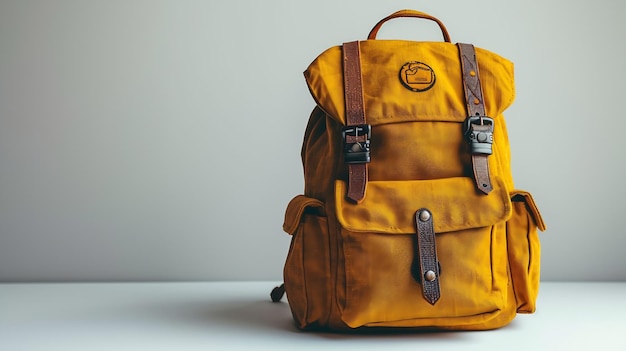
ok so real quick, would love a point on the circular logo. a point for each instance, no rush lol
(417, 76)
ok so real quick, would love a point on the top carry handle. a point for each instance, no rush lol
(409, 13)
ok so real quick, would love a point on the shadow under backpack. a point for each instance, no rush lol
(409, 216)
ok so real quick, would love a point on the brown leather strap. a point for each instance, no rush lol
(355, 115)
(475, 107)
(427, 255)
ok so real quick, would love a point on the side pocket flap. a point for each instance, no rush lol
(526, 197)
(295, 210)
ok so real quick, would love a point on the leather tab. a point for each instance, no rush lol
(355, 115)
(357, 174)
(480, 166)
(427, 255)
(475, 107)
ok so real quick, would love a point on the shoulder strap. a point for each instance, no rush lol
(356, 134)
(478, 127)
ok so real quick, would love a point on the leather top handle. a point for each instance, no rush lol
(409, 13)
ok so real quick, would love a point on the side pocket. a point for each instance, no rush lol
(524, 249)
(307, 272)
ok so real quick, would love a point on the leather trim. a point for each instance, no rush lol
(427, 255)
(475, 107)
(355, 114)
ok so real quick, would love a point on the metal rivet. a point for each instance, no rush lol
(424, 216)
(430, 276)
(472, 73)
(476, 101)
(356, 147)
(482, 137)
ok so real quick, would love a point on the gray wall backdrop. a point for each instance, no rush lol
(159, 140)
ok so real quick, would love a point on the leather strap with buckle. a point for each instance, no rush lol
(356, 134)
(478, 127)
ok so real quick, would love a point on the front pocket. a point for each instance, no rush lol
(524, 249)
(379, 244)
(307, 268)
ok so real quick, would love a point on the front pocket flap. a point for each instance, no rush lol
(295, 210)
(390, 206)
(525, 196)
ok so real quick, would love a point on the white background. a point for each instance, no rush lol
(159, 140)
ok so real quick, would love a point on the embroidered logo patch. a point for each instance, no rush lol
(417, 76)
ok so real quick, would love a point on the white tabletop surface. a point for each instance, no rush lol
(240, 316)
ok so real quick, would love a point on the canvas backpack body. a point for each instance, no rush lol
(409, 216)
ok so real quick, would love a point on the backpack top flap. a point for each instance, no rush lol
(410, 81)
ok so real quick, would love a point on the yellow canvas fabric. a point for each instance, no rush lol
(388, 101)
(350, 265)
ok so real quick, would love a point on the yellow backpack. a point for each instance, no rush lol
(409, 216)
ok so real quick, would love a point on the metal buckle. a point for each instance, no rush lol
(356, 150)
(479, 134)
